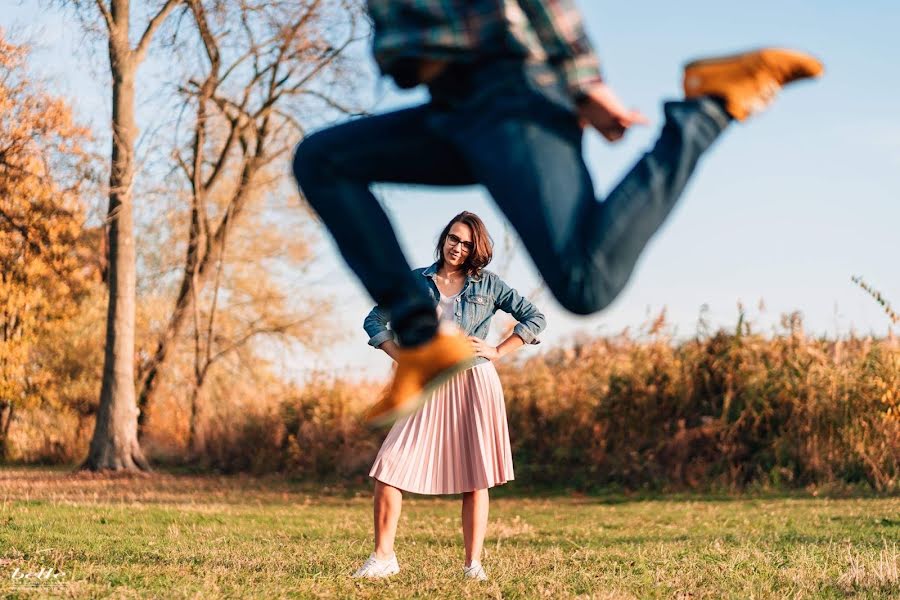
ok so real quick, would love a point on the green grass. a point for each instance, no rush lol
(182, 536)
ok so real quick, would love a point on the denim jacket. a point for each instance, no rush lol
(480, 298)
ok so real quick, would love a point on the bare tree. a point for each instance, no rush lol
(226, 324)
(115, 443)
(266, 66)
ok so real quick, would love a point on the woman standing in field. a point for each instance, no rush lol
(458, 441)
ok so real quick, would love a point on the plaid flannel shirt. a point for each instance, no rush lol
(465, 30)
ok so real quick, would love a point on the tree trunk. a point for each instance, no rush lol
(115, 443)
(196, 444)
(7, 409)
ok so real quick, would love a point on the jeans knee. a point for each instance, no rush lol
(306, 158)
(583, 295)
(584, 302)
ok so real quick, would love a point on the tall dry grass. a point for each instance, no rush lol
(730, 409)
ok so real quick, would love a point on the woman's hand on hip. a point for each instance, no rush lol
(482, 348)
(391, 348)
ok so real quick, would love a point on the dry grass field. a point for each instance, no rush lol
(170, 535)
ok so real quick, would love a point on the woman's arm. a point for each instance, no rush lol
(531, 321)
(380, 336)
(484, 349)
(390, 348)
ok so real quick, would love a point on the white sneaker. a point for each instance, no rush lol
(475, 571)
(375, 567)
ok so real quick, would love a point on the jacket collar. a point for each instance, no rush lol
(431, 271)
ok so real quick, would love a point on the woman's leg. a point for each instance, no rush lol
(388, 501)
(474, 523)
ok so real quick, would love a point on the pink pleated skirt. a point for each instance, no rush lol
(458, 441)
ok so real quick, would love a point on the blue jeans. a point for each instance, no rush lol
(511, 128)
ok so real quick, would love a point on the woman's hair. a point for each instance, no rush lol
(482, 244)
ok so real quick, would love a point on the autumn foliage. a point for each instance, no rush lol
(44, 264)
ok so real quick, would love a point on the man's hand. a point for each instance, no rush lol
(603, 110)
(482, 348)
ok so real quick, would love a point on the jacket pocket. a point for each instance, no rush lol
(477, 299)
(477, 309)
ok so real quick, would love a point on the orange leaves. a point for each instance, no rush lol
(41, 220)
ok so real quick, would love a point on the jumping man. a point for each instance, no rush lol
(512, 84)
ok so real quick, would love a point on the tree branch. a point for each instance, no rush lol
(331, 102)
(152, 26)
(107, 16)
(277, 329)
(219, 166)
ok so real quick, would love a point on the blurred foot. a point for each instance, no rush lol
(421, 370)
(748, 82)
(475, 571)
(376, 568)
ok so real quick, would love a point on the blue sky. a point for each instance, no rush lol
(785, 208)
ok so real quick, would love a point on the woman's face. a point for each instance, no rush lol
(458, 245)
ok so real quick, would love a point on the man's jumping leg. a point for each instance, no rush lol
(586, 249)
(334, 169)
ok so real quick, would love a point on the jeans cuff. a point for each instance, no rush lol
(715, 110)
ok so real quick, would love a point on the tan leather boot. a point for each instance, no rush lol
(421, 370)
(747, 82)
